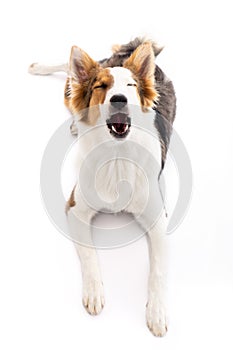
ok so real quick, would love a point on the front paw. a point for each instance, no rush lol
(156, 318)
(93, 297)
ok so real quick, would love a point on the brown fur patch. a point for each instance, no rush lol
(81, 95)
(141, 64)
(104, 81)
(92, 92)
(147, 92)
(83, 72)
(71, 202)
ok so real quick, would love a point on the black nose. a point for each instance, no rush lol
(118, 101)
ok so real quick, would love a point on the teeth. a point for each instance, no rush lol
(114, 129)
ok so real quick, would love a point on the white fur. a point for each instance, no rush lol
(105, 186)
(122, 79)
(41, 69)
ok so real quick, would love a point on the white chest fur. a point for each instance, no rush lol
(117, 174)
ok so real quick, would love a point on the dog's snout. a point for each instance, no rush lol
(118, 101)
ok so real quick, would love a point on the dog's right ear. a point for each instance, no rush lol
(81, 65)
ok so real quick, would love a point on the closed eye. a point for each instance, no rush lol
(131, 84)
(100, 86)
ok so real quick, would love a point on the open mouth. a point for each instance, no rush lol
(119, 124)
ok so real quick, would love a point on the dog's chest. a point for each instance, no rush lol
(123, 184)
(117, 180)
(119, 175)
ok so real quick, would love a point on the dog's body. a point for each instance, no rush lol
(104, 97)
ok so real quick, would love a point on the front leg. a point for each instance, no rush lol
(156, 306)
(79, 219)
(93, 292)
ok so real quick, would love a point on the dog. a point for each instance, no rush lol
(110, 90)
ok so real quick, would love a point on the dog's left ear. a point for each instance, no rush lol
(141, 62)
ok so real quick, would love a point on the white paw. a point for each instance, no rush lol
(93, 297)
(156, 318)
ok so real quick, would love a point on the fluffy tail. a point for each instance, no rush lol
(40, 69)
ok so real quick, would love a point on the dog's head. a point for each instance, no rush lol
(117, 88)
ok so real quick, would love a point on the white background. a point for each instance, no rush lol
(40, 304)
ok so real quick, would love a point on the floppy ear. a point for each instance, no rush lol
(81, 65)
(141, 62)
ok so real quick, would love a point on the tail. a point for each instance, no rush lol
(40, 69)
